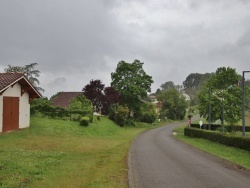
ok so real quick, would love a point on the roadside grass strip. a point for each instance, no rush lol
(240, 157)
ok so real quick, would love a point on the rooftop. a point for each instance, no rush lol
(10, 78)
(63, 98)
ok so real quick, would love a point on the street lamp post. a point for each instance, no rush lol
(243, 103)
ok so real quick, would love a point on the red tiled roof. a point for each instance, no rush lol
(8, 79)
(63, 98)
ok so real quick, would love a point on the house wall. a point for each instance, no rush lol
(24, 106)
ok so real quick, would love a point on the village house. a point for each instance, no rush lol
(63, 99)
(16, 93)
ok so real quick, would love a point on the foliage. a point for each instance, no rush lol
(132, 82)
(111, 97)
(147, 113)
(225, 93)
(230, 140)
(170, 85)
(29, 71)
(121, 115)
(195, 80)
(94, 92)
(112, 110)
(80, 102)
(84, 121)
(75, 117)
(50, 111)
(38, 102)
(193, 83)
(82, 106)
(174, 104)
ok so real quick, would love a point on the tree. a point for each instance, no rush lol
(111, 96)
(94, 92)
(174, 104)
(193, 83)
(132, 82)
(81, 106)
(80, 102)
(147, 113)
(170, 85)
(225, 95)
(29, 71)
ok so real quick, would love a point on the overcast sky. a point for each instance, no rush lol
(74, 41)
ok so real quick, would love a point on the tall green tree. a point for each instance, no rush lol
(132, 82)
(193, 83)
(174, 104)
(225, 94)
(29, 71)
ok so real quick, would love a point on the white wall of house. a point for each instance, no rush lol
(24, 106)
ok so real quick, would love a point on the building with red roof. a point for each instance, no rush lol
(16, 93)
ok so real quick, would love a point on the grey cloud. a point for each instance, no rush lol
(76, 41)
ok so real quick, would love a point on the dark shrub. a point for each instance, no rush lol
(84, 121)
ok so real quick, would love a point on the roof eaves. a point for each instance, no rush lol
(22, 77)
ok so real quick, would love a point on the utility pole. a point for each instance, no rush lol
(243, 103)
(209, 120)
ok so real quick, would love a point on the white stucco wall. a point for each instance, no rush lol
(24, 106)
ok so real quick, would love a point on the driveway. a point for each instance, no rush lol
(156, 159)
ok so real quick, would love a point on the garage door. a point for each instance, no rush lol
(10, 113)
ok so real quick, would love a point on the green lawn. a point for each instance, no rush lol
(58, 153)
(237, 156)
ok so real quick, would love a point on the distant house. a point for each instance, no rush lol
(153, 98)
(16, 93)
(63, 99)
(187, 97)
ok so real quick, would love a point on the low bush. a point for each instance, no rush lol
(121, 115)
(230, 140)
(76, 117)
(84, 121)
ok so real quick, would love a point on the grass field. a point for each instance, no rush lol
(58, 153)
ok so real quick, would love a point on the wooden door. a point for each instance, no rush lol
(10, 113)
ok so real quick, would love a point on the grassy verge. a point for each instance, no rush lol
(237, 156)
(58, 153)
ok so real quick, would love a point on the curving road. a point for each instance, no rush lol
(156, 159)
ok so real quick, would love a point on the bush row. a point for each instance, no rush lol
(230, 140)
(59, 112)
(228, 128)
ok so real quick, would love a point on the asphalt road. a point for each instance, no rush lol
(156, 159)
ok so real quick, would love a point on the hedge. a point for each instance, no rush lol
(230, 140)
(229, 128)
(59, 112)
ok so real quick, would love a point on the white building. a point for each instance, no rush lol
(16, 93)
